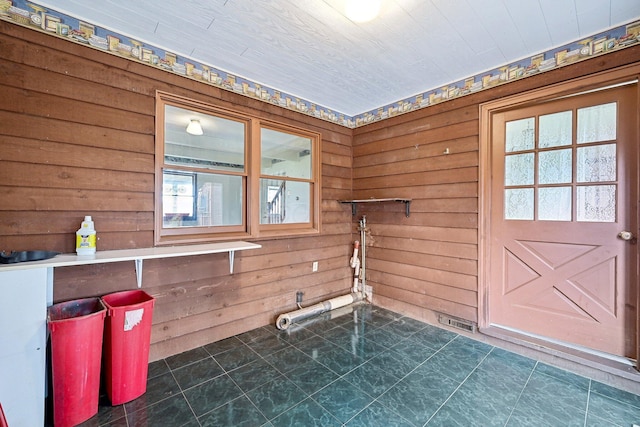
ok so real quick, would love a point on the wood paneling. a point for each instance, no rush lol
(77, 138)
(428, 263)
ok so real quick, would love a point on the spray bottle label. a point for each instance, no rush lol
(86, 242)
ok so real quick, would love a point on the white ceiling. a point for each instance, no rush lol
(309, 49)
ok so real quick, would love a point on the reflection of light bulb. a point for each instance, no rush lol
(362, 10)
(194, 128)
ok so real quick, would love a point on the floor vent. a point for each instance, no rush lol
(454, 322)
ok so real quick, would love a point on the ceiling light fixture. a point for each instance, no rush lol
(362, 10)
(194, 127)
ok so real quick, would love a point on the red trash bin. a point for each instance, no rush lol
(76, 349)
(126, 344)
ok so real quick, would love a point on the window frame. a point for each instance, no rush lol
(251, 228)
(314, 194)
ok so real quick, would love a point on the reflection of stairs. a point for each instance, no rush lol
(276, 209)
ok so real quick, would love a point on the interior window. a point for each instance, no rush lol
(206, 179)
(285, 177)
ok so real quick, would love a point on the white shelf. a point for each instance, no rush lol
(137, 255)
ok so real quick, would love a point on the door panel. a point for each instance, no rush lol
(563, 186)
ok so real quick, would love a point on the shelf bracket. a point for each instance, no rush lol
(232, 255)
(407, 207)
(138, 262)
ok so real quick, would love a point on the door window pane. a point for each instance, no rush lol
(554, 167)
(520, 135)
(518, 169)
(597, 123)
(555, 129)
(596, 203)
(554, 204)
(518, 203)
(596, 163)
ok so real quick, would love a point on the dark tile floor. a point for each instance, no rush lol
(368, 368)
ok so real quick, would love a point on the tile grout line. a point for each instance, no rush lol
(461, 383)
(515, 404)
(405, 376)
(225, 372)
(586, 411)
(180, 387)
(310, 396)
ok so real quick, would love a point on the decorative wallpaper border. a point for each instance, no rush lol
(37, 17)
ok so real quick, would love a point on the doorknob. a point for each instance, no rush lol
(625, 235)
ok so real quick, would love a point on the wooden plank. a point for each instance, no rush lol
(51, 176)
(455, 131)
(442, 248)
(417, 192)
(430, 303)
(206, 300)
(405, 309)
(336, 160)
(223, 314)
(335, 193)
(48, 129)
(294, 244)
(32, 222)
(61, 154)
(46, 81)
(454, 205)
(438, 234)
(61, 200)
(444, 162)
(424, 151)
(336, 171)
(74, 111)
(396, 128)
(161, 349)
(335, 182)
(70, 59)
(437, 262)
(462, 281)
(395, 178)
(424, 288)
(331, 147)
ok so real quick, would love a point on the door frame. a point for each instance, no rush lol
(572, 87)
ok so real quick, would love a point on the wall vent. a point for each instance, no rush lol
(454, 322)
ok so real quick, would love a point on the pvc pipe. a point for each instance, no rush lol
(363, 267)
(285, 320)
(354, 262)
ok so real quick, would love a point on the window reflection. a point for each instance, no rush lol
(203, 173)
(286, 170)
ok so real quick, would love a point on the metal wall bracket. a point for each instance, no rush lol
(354, 203)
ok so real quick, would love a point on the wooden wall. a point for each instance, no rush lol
(428, 263)
(77, 138)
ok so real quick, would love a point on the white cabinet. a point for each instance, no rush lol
(23, 329)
